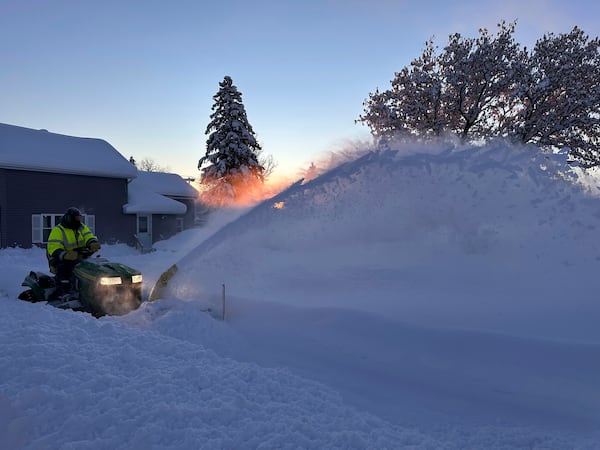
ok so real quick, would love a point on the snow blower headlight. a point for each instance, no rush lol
(136, 279)
(110, 281)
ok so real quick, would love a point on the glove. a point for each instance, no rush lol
(71, 255)
(94, 246)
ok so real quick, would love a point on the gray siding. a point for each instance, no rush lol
(23, 193)
(3, 216)
(165, 225)
(188, 218)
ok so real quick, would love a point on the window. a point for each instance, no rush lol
(42, 224)
(142, 224)
(179, 224)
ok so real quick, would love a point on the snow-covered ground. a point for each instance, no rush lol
(430, 298)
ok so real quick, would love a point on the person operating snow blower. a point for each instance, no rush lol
(68, 243)
(80, 283)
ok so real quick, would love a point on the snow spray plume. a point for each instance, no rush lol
(345, 151)
(238, 190)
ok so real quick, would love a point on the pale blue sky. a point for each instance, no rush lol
(141, 74)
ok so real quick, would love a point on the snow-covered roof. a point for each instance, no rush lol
(39, 150)
(147, 194)
(165, 183)
(142, 200)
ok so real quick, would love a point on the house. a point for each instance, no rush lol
(164, 204)
(43, 173)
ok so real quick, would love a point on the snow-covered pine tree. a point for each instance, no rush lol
(231, 164)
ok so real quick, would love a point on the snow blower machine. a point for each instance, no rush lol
(98, 286)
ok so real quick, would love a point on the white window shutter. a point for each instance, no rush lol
(36, 229)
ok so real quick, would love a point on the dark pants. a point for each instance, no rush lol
(63, 271)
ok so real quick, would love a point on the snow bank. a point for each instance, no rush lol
(104, 386)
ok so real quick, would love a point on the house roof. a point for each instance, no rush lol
(150, 191)
(143, 201)
(42, 151)
(165, 183)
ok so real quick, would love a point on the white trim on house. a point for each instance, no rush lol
(144, 230)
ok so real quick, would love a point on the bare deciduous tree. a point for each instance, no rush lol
(560, 95)
(488, 87)
(477, 73)
(149, 165)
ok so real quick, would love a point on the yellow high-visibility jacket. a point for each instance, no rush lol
(63, 238)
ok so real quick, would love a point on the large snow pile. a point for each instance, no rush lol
(448, 236)
(426, 298)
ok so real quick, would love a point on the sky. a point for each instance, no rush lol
(141, 74)
(446, 302)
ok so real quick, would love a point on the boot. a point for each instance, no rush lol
(63, 289)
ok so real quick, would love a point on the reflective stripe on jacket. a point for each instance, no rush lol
(62, 238)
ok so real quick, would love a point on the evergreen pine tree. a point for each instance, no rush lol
(231, 164)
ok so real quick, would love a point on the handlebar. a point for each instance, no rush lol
(84, 252)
